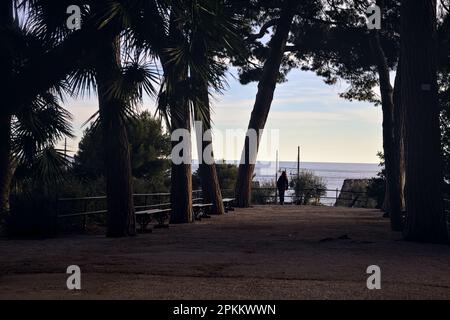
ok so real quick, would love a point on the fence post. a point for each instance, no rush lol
(84, 223)
(84, 216)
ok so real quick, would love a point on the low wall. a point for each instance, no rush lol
(354, 194)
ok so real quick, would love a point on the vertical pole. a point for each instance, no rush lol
(84, 215)
(276, 179)
(337, 195)
(298, 171)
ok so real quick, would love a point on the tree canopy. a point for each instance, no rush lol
(150, 148)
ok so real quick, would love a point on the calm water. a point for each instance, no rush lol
(332, 173)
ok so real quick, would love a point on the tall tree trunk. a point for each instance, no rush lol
(181, 174)
(202, 113)
(5, 162)
(211, 187)
(6, 21)
(390, 153)
(264, 97)
(399, 129)
(424, 199)
(119, 189)
(385, 205)
(207, 168)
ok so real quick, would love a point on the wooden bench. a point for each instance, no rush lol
(144, 217)
(228, 204)
(201, 210)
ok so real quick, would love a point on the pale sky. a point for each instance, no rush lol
(305, 112)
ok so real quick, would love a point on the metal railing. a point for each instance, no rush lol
(313, 196)
(87, 207)
(81, 211)
(70, 207)
(447, 208)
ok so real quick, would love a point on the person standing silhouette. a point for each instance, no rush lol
(282, 186)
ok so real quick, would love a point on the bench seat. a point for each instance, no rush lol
(228, 204)
(144, 217)
(201, 210)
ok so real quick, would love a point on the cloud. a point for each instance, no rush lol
(306, 111)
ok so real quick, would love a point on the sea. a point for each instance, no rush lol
(332, 173)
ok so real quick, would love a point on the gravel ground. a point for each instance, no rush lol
(264, 252)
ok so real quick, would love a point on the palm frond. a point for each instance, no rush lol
(137, 78)
(49, 166)
(41, 124)
(82, 81)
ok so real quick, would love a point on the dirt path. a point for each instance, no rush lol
(259, 253)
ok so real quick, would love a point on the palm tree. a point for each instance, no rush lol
(26, 104)
(36, 130)
(120, 86)
(199, 32)
(215, 37)
(173, 103)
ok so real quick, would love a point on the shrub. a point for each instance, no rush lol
(32, 215)
(308, 188)
(377, 190)
(227, 175)
(264, 193)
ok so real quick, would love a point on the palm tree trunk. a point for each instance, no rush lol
(264, 97)
(202, 113)
(390, 153)
(424, 199)
(181, 174)
(208, 172)
(119, 189)
(211, 187)
(5, 162)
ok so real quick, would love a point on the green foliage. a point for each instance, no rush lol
(264, 193)
(202, 34)
(263, 17)
(377, 190)
(340, 47)
(227, 175)
(32, 215)
(382, 173)
(74, 187)
(444, 100)
(444, 94)
(377, 186)
(35, 131)
(308, 188)
(150, 148)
